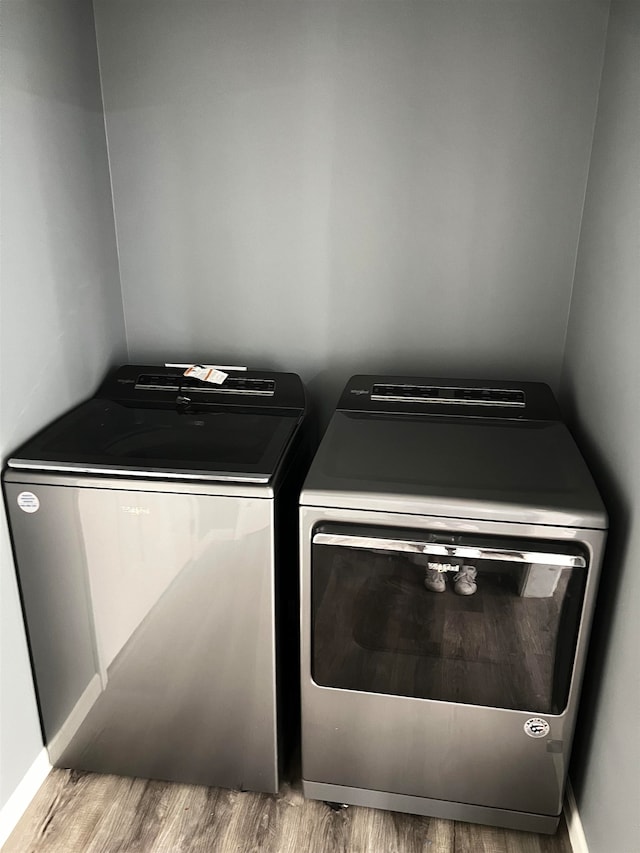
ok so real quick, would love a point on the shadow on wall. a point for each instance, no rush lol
(608, 594)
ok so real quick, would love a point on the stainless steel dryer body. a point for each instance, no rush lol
(455, 706)
(149, 551)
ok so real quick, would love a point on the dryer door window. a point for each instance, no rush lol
(476, 620)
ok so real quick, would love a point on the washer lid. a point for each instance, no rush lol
(520, 471)
(104, 437)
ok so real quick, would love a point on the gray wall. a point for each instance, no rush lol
(62, 319)
(601, 389)
(340, 186)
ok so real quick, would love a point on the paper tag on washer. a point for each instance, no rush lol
(206, 374)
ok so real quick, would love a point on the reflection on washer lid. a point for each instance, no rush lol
(105, 437)
(150, 421)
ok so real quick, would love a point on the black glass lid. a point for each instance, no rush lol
(106, 437)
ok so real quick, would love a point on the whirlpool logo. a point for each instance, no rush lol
(136, 510)
(537, 727)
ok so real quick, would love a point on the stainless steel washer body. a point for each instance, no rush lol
(150, 558)
(456, 706)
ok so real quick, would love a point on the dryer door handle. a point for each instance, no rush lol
(442, 549)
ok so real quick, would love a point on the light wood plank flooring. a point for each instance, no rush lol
(88, 813)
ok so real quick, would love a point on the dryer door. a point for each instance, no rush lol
(478, 620)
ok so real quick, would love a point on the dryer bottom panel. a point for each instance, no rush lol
(505, 818)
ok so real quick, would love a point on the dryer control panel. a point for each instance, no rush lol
(450, 397)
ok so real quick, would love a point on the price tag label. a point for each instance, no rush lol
(206, 374)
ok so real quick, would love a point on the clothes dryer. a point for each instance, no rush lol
(154, 536)
(451, 540)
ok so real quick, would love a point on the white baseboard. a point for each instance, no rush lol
(17, 803)
(576, 832)
(85, 703)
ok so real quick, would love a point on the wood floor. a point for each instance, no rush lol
(89, 813)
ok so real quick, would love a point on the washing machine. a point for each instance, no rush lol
(451, 540)
(154, 530)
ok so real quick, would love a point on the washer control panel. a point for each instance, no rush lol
(157, 386)
(231, 385)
